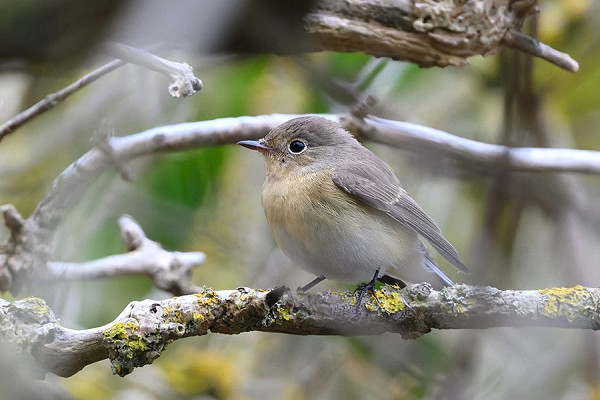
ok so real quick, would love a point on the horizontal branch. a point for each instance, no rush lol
(439, 143)
(192, 135)
(144, 329)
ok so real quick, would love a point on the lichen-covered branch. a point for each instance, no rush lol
(427, 32)
(144, 329)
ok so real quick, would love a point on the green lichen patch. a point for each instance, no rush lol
(570, 303)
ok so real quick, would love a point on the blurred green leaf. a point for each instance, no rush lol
(178, 185)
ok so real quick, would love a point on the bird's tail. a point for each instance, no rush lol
(431, 265)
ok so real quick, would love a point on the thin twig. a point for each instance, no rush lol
(527, 44)
(54, 98)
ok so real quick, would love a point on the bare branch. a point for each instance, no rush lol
(527, 44)
(169, 270)
(144, 329)
(184, 82)
(53, 99)
(421, 138)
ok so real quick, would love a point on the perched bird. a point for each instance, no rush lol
(338, 210)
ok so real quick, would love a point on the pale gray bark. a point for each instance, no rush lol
(144, 329)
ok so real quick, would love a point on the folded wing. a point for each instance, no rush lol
(373, 182)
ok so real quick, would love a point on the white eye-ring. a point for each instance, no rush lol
(297, 146)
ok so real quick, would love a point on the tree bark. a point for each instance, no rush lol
(144, 329)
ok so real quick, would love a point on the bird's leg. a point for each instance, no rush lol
(311, 284)
(366, 287)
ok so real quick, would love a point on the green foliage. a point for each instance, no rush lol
(345, 65)
(178, 185)
(231, 91)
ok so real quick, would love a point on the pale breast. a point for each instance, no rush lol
(328, 232)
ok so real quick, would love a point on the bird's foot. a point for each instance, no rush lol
(363, 288)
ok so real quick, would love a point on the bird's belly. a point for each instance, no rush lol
(346, 243)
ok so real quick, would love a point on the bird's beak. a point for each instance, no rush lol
(255, 145)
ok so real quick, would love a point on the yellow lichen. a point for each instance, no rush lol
(136, 344)
(284, 313)
(389, 300)
(197, 317)
(116, 331)
(132, 326)
(568, 302)
(126, 334)
(459, 308)
(207, 298)
(39, 307)
(179, 316)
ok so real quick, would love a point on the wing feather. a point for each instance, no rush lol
(373, 182)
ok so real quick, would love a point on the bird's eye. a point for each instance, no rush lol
(297, 146)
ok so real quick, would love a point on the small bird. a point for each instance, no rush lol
(339, 212)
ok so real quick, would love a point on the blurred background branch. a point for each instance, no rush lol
(169, 271)
(184, 82)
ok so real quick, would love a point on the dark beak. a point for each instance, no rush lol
(255, 145)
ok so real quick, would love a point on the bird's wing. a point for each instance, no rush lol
(371, 181)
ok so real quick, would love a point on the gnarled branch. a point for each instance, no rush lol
(144, 329)
(426, 32)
